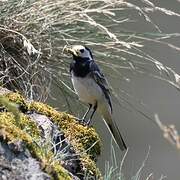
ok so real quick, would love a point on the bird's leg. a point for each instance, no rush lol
(86, 113)
(94, 110)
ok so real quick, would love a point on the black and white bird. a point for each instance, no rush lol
(92, 88)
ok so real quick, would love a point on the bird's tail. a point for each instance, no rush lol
(113, 128)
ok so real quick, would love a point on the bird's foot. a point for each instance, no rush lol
(88, 122)
(84, 122)
(81, 121)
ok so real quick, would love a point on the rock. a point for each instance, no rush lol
(42, 143)
(19, 165)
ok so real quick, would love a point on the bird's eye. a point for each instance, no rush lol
(81, 50)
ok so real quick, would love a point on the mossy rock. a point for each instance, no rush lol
(84, 140)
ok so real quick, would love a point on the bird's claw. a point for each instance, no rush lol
(83, 122)
(88, 122)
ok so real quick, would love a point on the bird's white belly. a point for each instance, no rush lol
(87, 89)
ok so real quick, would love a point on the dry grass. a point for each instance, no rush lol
(113, 171)
(50, 25)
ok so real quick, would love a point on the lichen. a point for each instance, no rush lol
(84, 139)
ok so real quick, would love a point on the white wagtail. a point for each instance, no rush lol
(92, 88)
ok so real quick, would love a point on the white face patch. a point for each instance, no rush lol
(82, 51)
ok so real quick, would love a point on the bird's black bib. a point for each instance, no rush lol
(80, 67)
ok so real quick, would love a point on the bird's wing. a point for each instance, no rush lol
(100, 79)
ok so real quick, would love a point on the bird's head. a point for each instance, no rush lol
(79, 52)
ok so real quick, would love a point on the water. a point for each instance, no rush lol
(160, 97)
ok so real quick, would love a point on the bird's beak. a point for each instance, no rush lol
(70, 51)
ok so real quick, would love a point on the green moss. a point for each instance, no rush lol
(48, 163)
(11, 107)
(28, 132)
(61, 173)
(84, 136)
(16, 98)
(84, 139)
(9, 131)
